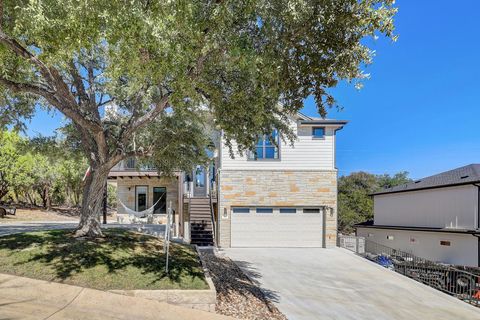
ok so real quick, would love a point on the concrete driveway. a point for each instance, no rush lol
(336, 284)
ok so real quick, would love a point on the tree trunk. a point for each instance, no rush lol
(92, 203)
(48, 199)
(42, 191)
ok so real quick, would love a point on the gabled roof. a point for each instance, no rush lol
(463, 175)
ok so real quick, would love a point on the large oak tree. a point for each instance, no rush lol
(169, 68)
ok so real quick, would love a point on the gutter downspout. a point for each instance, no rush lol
(324, 231)
(478, 223)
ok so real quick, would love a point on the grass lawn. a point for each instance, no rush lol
(122, 260)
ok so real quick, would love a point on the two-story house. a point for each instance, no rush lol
(281, 195)
(436, 218)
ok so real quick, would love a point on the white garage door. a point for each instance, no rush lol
(277, 227)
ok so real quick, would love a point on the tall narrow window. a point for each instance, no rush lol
(141, 198)
(130, 163)
(266, 147)
(160, 198)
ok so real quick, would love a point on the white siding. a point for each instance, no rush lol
(463, 249)
(307, 153)
(436, 208)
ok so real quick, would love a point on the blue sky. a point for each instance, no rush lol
(419, 112)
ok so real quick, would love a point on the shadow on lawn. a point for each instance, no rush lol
(118, 250)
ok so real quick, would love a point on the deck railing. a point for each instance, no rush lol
(458, 281)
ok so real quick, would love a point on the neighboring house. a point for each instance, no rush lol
(282, 195)
(436, 218)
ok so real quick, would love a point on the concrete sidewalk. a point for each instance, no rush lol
(24, 298)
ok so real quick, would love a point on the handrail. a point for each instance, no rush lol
(190, 218)
(212, 215)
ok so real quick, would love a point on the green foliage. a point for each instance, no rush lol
(354, 203)
(111, 195)
(387, 181)
(236, 59)
(10, 146)
(142, 77)
(39, 169)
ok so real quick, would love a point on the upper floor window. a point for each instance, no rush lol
(266, 147)
(133, 164)
(130, 163)
(318, 132)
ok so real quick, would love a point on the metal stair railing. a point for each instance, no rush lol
(212, 214)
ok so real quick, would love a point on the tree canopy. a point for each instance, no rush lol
(145, 78)
(42, 169)
(355, 204)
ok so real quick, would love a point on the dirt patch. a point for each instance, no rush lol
(36, 214)
(54, 214)
(237, 295)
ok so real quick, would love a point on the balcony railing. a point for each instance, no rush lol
(133, 165)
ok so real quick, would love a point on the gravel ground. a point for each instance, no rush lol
(237, 295)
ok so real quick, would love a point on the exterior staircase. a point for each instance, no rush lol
(201, 228)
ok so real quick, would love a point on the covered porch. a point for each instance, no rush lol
(144, 189)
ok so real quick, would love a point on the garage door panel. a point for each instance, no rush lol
(276, 230)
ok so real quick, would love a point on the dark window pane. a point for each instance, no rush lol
(130, 163)
(160, 195)
(264, 210)
(266, 147)
(142, 202)
(200, 177)
(260, 141)
(259, 153)
(241, 210)
(288, 210)
(141, 198)
(269, 140)
(311, 210)
(318, 132)
(270, 153)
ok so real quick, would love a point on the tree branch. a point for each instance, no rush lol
(49, 96)
(78, 83)
(1, 15)
(26, 88)
(23, 52)
(102, 103)
(146, 118)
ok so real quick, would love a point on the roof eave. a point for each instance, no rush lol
(424, 229)
(425, 188)
(324, 122)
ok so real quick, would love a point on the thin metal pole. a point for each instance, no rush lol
(105, 204)
(167, 234)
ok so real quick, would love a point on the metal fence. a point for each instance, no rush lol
(460, 282)
(352, 243)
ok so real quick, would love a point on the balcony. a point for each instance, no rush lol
(133, 165)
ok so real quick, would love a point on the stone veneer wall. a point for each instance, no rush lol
(128, 196)
(277, 188)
